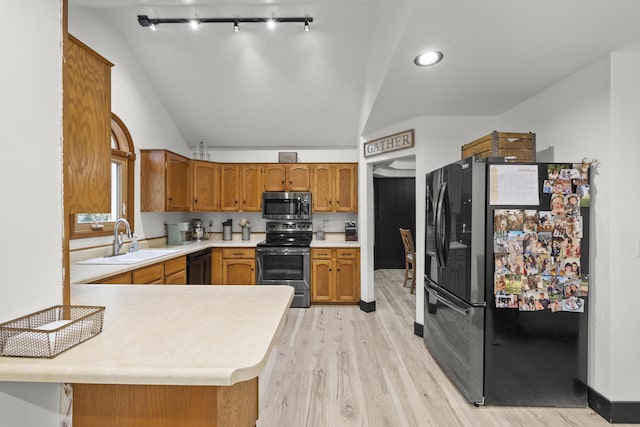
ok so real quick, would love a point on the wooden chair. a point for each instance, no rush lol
(409, 258)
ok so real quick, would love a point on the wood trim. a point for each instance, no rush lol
(124, 405)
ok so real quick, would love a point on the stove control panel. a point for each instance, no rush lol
(289, 226)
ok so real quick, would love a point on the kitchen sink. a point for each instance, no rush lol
(129, 258)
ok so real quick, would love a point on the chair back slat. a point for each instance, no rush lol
(407, 240)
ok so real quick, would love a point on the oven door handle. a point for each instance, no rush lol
(283, 251)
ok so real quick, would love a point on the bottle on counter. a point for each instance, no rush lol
(134, 246)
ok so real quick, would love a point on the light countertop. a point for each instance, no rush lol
(167, 335)
(87, 273)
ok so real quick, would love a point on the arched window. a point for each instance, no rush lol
(122, 175)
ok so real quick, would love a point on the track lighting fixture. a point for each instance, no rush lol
(152, 23)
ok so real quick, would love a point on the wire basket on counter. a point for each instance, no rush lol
(49, 332)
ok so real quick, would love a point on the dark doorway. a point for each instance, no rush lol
(395, 208)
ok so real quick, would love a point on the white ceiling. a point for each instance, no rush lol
(289, 88)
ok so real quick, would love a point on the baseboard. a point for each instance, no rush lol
(614, 412)
(367, 307)
(418, 329)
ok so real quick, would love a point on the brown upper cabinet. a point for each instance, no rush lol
(335, 187)
(287, 177)
(241, 187)
(173, 183)
(87, 129)
(165, 180)
(206, 186)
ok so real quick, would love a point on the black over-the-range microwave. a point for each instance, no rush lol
(284, 205)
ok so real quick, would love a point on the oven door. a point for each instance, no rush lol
(286, 266)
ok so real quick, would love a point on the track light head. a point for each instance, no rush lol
(306, 25)
(236, 26)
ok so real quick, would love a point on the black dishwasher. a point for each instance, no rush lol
(199, 267)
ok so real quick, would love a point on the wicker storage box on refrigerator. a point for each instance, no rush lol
(519, 147)
(51, 331)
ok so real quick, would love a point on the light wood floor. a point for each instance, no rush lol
(339, 366)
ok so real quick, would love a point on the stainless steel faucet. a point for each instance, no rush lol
(117, 239)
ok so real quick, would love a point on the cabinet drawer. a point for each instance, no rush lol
(151, 274)
(346, 253)
(174, 265)
(231, 253)
(120, 279)
(321, 253)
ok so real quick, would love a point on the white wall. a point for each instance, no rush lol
(594, 114)
(625, 237)
(31, 182)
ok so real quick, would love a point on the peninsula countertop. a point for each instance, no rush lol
(167, 335)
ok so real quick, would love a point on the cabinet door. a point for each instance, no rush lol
(274, 177)
(298, 177)
(347, 280)
(87, 129)
(216, 266)
(252, 188)
(230, 181)
(178, 183)
(322, 278)
(238, 271)
(346, 188)
(152, 274)
(179, 278)
(322, 188)
(152, 181)
(205, 187)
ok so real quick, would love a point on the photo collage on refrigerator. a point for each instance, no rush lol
(537, 253)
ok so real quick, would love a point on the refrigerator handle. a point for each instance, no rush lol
(447, 303)
(438, 225)
(446, 209)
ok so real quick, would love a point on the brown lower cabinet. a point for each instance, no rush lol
(131, 405)
(170, 272)
(335, 275)
(233, 266)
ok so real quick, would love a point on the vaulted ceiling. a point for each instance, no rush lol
(353, 73)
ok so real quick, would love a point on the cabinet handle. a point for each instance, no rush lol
(195, 201)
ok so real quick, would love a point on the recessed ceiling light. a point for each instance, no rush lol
(427, 58)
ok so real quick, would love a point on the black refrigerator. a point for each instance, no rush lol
(507, 280)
